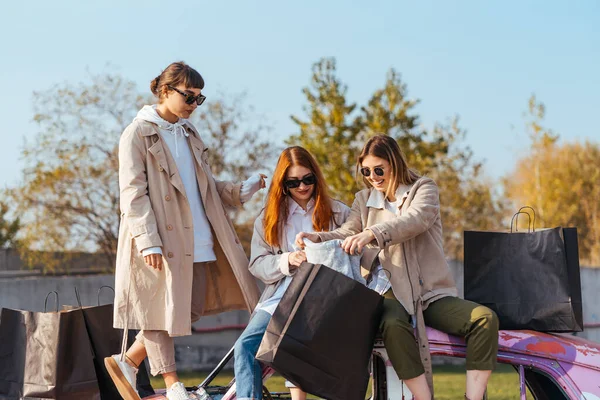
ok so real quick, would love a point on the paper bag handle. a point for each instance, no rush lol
(55, 300)
(515, 220)
(77, 297)
(100, 290)
(532, 211)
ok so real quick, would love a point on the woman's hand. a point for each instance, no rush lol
(154, 260)
(263, 184)
(296, 258)
(354, 244)
(313, 237)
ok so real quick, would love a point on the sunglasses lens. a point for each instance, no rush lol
(378, 171)
(295, 183)
(292, 184)
(200, 100)
(190, 99)
(309, 180)
(365, 171)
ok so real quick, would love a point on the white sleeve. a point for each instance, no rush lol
(151, 250)
(249, 187)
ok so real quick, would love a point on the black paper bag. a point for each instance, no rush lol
(46, 355)
(530, 279)
(321, 334)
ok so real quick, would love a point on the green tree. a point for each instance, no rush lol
(69, 197)
(335, 131)
(560, 181)
(331, 132)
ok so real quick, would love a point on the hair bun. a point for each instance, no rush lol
(154, 85)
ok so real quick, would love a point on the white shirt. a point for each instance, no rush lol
(298, 220)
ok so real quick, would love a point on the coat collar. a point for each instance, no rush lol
(150, 128)
(166, 160)
(377, 199)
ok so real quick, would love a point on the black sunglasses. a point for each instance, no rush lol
(189, 98)
(367, 171)
(295, 183)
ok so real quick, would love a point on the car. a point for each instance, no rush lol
(552, 366)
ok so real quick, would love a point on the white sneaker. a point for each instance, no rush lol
(177, 391)
(124, 376)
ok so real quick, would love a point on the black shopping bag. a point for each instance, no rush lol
(321, 335)
(106, 341)
(530, 279)
(46, 355)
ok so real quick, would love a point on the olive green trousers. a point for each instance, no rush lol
(476, 323)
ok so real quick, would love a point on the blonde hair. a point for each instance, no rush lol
(386, 148)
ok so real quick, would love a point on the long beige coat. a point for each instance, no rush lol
(155, 212)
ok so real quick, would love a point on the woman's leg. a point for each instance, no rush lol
(161, 354)
(248, 371)
(479, 326)
(297, 394)
(400, 343)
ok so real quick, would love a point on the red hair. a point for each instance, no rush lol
(276, 210)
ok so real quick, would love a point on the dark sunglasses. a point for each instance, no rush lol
(189, 98)
(295, 183)
(367, 172)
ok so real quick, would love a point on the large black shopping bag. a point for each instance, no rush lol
(321, 335)
(46, 355)
(530, 279)
(106, 341)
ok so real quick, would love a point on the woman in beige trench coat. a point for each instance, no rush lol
(178, 255)
(399, 215)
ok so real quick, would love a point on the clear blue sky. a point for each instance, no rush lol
(480, 60)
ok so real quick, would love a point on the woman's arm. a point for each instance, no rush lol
(235, 195)
(264, 263)
(135, 203)
(418, 218)
(352, 226)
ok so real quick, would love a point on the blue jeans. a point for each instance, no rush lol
(248, 371)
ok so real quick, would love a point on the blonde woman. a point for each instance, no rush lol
(399, 212)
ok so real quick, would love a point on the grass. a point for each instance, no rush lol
(449, 382)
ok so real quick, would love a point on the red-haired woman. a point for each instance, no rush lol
(297, 201)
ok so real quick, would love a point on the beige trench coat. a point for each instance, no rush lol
(155, 212)
(411, 248)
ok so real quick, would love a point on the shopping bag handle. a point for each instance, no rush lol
(532, 222)
(100, 290)
(515, 220)
(390, 274)
(55, 300)
(77, 296)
